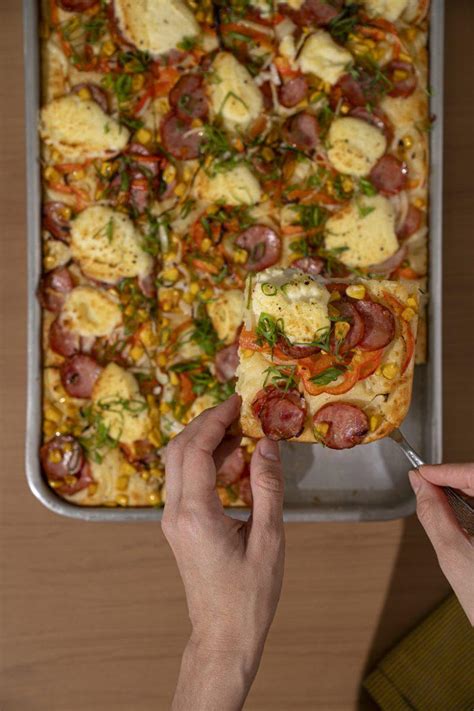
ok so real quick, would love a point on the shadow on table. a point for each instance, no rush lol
(416, 587)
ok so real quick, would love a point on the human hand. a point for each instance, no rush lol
(453, 546)
(232, 570)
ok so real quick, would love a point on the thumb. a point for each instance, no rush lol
(266, 480)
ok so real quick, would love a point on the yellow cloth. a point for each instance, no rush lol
(432, 669)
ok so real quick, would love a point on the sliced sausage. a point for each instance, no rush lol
(142, 168)
(98, 95)
(226, 362)
(56, 220)
(376, 118)
(76, 5)
(281, 414)
(263, 246)
(350, 89)
(389, 175)
(232, 468)
(348, 424)
(79, 375)
(62, 340)
(266, 89)
(309, 265)
(402, 77)
(179, 138)
(314, 12)
(302, 131)
(62, 456)
(82, 481)
(355, 333)
(412, 224)
(294, 351)
(53, 288)
(188, 97)
(293, 91)
(147, 285)
(389, 265)
(379, 325)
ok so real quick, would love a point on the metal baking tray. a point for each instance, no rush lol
(368, 483)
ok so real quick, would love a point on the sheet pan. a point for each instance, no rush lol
(367, 483)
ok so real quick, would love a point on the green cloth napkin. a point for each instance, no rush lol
(432, 669)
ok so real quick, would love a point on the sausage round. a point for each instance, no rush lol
(79, 375)
(263, 246)
(379, 325)
(348, 424)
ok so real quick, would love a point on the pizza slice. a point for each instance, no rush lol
(325, 361)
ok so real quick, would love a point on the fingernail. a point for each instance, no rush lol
(269, 450)
(415, 480)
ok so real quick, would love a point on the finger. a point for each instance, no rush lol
(438, 520)
(266, 480)
(458, 476)
(203, 435)
(225, 450)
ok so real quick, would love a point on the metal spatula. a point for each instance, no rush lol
(462, 506)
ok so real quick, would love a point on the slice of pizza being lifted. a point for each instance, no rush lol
(323, 360)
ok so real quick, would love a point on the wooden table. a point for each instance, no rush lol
(93, 617)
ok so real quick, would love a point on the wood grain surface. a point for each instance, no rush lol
(93, 617)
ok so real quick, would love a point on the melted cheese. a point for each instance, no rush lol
(355, 146)
(107, 246)
(124, 411)
(201, 403)
(226, 314)
(364, 237)
(234, 94)
(296, 298)
(324, 58)
(237, 186)
(388, 9)
(88, 311)
(155, 26)
(79, 129)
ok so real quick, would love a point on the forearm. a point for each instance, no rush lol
(214, 681)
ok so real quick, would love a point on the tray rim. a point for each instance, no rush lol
(346, 513)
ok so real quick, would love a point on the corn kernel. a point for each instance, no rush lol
(389, 371)
(142, 315)
(84, 94)
(78, 174)
(411, 301)
(174, 379)
(207, 294)
(374, 422)
(108, 48)
(49, 428)
(92, 489)
(347, 185)
(240, 256)
(107, 169)
(148, 336)
(180, 189)
(145, 475)
(326, 87)
(341, 329)
(122, 482)
(156, 472)
(407, 141)
(56, 156)
(52, 413)
(419, 203)
(137, 82)
(70, 480)
(206, 244)
(171, 274)
(164, 322)
(55, 456)
(408, 314)
(356, 291)
(335, 296)
(188, 298)
(246, 353)
(155, 438)
(55, 483)
(52, 175)
(194, 288)
(321, 428)
(405, 57)
(121, 499)
(268, 154)
(143, 136)
(169, 173)
(251, 446)
(137, 352)
(399, 75)
(154, 498)
(411, 33)
(345, 108)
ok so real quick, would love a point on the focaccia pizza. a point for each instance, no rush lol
(185, 145)
(326, 361)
